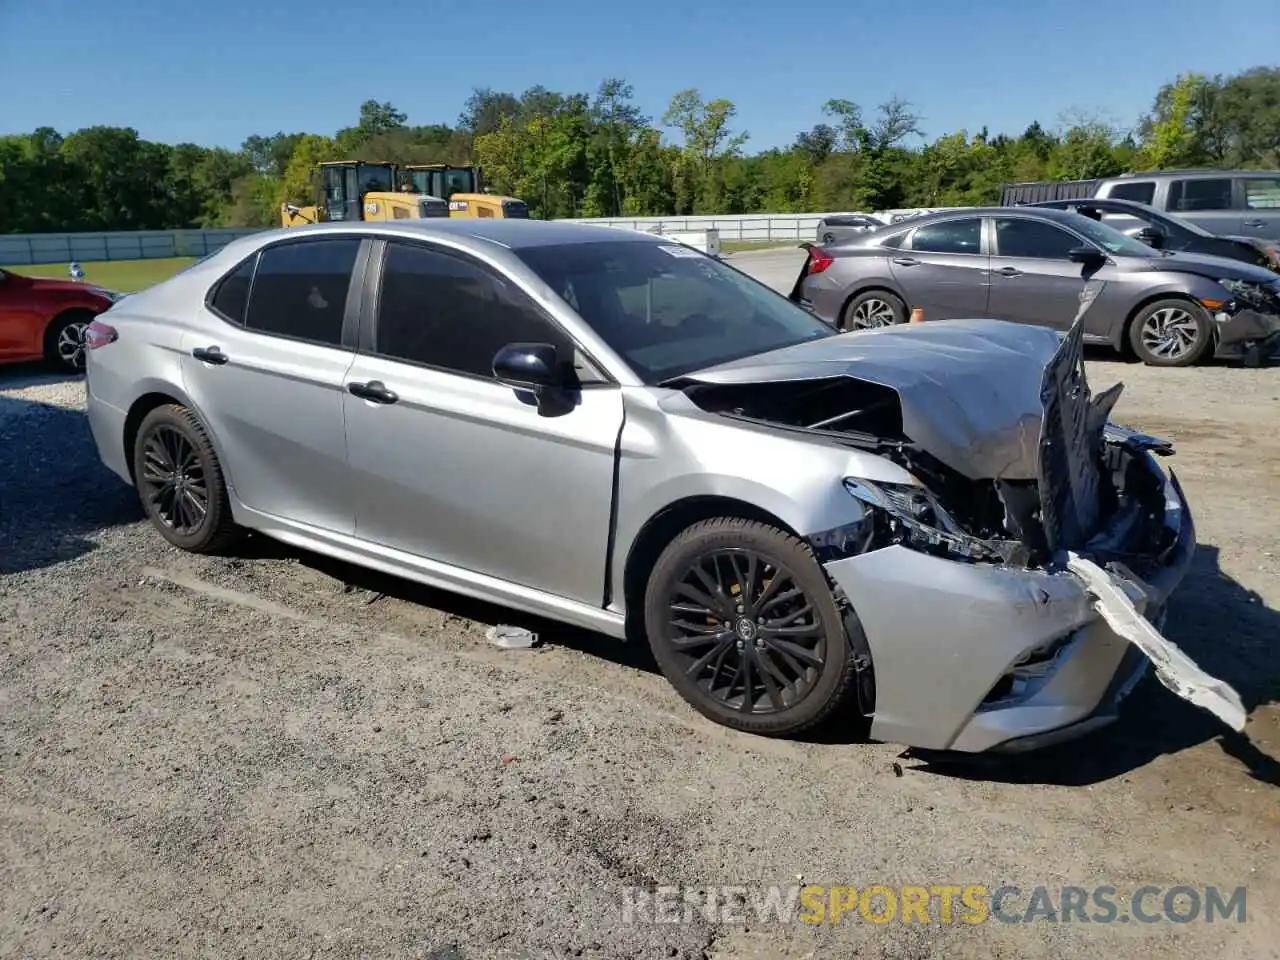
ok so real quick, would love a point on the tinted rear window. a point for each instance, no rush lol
(231, 295)
(300, 289)
(1143, 192)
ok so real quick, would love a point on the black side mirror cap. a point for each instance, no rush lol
(1086, 255)
(527, 366)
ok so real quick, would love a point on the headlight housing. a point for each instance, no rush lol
(1265, 296)
(914, 518)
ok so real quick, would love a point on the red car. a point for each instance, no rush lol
(44, 318)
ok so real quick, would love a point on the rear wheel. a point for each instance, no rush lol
(1171, 333)
(743, 623)
(64, 340)
(180, 481)
(871, 309)
(828, 238)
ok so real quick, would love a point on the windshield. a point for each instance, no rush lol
(1110, 239)
(668, 309)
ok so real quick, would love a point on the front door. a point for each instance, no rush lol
(1033, 280)
(945, 271)
(267, 374)
(451, 465)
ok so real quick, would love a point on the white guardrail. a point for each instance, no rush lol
(17, 249)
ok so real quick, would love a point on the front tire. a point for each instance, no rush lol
(1171, 333)
(180, 481)
(872, 309)
(64, 340)
(742, 622)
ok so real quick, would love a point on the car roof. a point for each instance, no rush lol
(1092, 202)
(515, 234)
(1046, 213)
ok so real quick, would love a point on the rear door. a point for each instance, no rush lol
(21, 320)
(267, 375)
(1261, 196)
(1207, 201)
(1033, 280)
(944, 269)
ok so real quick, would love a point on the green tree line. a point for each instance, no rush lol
(596, 155)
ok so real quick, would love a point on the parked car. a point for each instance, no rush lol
(1030, 265)
(45, 319)
(1164, 231)
(619, 432)
(842, 226)
(1224, 202)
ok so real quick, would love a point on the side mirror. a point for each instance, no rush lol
(1151, 237)
(1085, 254)
(527, 366)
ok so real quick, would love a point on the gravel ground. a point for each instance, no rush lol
(272, 755)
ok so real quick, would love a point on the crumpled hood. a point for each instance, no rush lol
(970, 390)
(1215, 268)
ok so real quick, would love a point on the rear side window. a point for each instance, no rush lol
(231, 296)
(895, 241)
(1142, 192)
(1262, 194)
(1192, 195)
(1032, 238)
(300, 289)
(951, 236)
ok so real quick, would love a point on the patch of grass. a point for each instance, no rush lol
(742, 246)
(127, 276)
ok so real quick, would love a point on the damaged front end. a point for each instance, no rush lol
(1248, 325)
(1001, 594)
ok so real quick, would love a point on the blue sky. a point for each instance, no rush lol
(213, 73)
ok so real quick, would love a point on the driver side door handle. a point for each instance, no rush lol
(1254, 223)
(906, 261)
(375, 391)
(212, 355)
(1009, 272)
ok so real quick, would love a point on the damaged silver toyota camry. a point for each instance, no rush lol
(937, 525)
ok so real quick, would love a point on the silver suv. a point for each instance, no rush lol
(1224, 202)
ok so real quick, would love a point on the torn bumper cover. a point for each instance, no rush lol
(1249, 323)
(976, 657)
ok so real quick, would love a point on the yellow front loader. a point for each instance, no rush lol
(356, 190)
(463, 188)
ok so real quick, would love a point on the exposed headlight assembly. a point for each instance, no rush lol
(1265, 296)
(914, 518)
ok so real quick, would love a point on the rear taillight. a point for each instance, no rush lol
(819, 260)
(98, 334)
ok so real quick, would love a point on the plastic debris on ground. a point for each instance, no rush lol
(511, 638)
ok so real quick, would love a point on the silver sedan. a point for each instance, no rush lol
(615, 431)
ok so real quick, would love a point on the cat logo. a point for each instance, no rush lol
(457, 204)
(370, 209)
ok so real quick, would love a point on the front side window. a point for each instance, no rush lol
(1262, 194)
(1206, 194)
(950, 236)
(668, 309)
(231, 296)
(1016, 237)
(1143, 191)
(443, 311)
(300, 289)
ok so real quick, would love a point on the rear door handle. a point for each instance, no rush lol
(906, 261)
(374, 391)
(1010, 272)
(212, 355)
(1254, 223)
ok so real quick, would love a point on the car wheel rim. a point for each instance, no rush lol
(873, 313)
(70, 345)
(173, 480)
(1170, 333)
(744, 633)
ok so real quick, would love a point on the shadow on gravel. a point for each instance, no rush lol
(631, 654)
(53, 489)
(1230, 632)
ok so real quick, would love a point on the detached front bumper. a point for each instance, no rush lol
(1248, 330)
(977, 657)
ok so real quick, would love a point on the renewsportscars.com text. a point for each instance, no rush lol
(939, 903)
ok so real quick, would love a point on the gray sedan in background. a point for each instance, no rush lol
(836, 227)
(1033, 265)
(616, 431)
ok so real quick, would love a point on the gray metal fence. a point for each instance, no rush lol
(17, 249)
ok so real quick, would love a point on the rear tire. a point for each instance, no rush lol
(64, 340)
(1171, 333)
(828, 238)
(180, 481)
(871, 309)
(728, 657)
